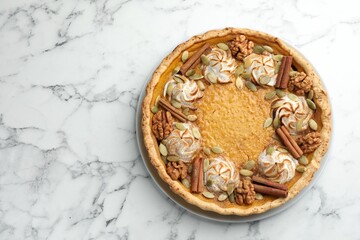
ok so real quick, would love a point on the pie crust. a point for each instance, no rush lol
(299, 62)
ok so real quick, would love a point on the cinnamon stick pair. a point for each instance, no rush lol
(195, 59)
(269, 187)
(174, 112)
(282, 79)
(289, 142)
(197, 175)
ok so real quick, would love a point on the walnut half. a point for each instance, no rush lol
(177, 170)
(241, 47)
(245, 193)
(300, 83)
(162, 124)
(310, 142)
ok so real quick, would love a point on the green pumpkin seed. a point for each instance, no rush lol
(232, 198)
(277, 67)
(180, 126)
(311, 104)
(184, 56)
(176, 70)
(280, 93)
(276, 123)
(270, 150)
(205, 60)
(222, 197)
(178, 78)
(191, 118)
(163, 150)
(293, 73)
(298, 126)
(270, 95)
(190, 168)
(186, 111)
(211, 77)
(265, 80)
(278, 57)
(276, 105)
(196, 76)
(251, 86)
(239, 70)
(173, 158)
(207, 151)
(170, 88)
(223, 46)
(176, 104)
(301, 169)
(208, 194)
(190, 72)
(246, 173)
(239, 83)
(208, 183)
(230, 188)
(282, 150)
(293, 97)
(246, 75)
(310, 94)
(186, 183)
(268, 122)
(303, 160)
(216, 150)
(313, 125)
(196, 133)
(249, 165)
(201, 85)
(268, 49)
(164, 159)
(258, 49)
(154, 109)
(259, 196)
(206, 164)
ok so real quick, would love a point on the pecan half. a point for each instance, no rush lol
(300, 83)
(244, 193)
(162, 124)
(309, 142)
(241, 47)
(177, 170)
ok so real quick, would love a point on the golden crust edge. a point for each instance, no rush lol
(321, 99)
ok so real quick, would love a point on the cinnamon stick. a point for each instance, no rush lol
(269, 183)
(189, 63)
(176, 113)
(197, 182)
(287, 142)
(201, 176)
(281, 72)
(208, 50)
(292, 141)
(270, 191)
(285, 75)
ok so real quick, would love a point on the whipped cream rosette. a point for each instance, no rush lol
(222, 64)
(292, 111)
(182, 143)
(279, 166)
(260, 66)
(221, 174)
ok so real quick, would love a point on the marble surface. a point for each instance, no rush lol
(70, 76)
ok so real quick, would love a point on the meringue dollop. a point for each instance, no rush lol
(259, 66)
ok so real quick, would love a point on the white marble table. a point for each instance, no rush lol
(70, 76)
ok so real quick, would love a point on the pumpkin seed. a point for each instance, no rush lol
(206, 164)
(201, 85)
(270, 150)
(311, 104)
(268, 122)
(180, 126)
(190, 72)
(232, 198)
(270, 95)
(205, 60)
(303, 160)
(239, 83)
(176, 70)
(276, 105)
(293, 97)
(178, 78)
(196, 133)
(249, 165)
(164, 159)
(251, 86)
(154, 109)
(207, 151)
(163, 150)
(277, 57)
(311, 94)
(230, 188)
(208, 183)
(175, 104)
(246, 173)
(268, 49)
(259, 196)
(265, 80)
(258, 49)
(170, 88)
(313, 125)
(186, 111)
(292, 73)
(282, 150)
(184, 56)
(223, 46)
(301, 169)
(190, 168)
(276, 123)
(247, 62)
(173, 158)
(239, 70)
(298, 125)
(216, 149)
(277, 67)
(196, 76)
(211, 77)
(222, 197)
(186, 183)
(280, 93)
(246, 75)
(208, 194)
(191, 117)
